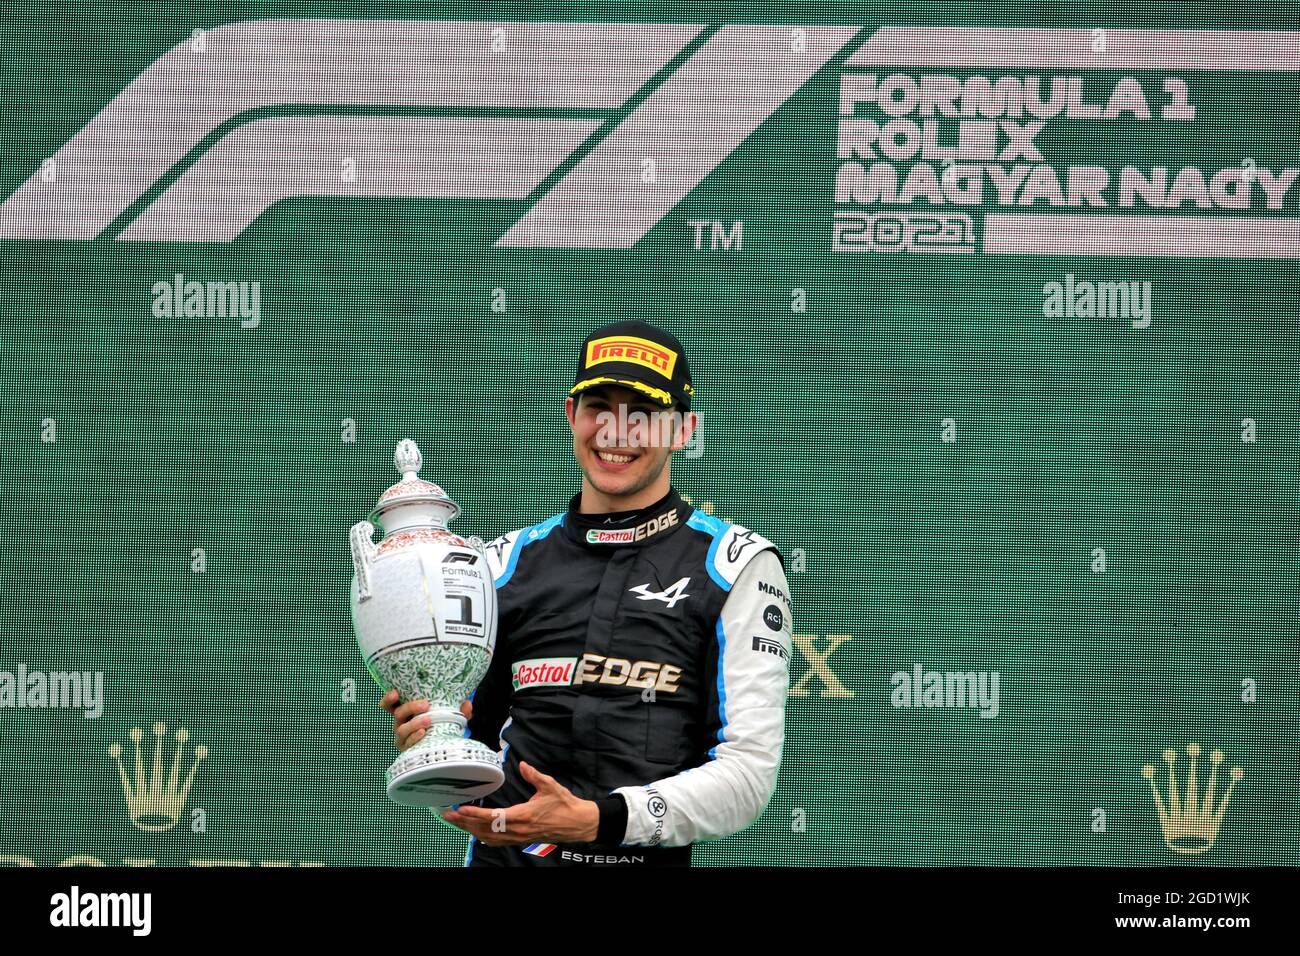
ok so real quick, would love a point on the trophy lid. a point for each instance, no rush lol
(412, 489)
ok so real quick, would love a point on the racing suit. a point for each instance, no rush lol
(642, 660)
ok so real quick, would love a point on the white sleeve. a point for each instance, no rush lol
(730, 791)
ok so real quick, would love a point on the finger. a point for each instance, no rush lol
(410, 709)
(477, 813)
(536, 777)
(516, 821)
(389, 701)
(417, 722)
(410, 740)
(484, 833)
(467, 709)
(458, 821)
(406, 733)
(480, 830)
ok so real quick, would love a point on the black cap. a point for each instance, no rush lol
(639, 356)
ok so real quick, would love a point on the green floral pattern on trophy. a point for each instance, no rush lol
(443, 674)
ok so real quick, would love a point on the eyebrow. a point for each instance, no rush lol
(636, 404)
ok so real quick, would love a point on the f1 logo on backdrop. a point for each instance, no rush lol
(602, 129)
(606, 126)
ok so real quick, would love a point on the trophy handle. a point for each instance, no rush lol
(363, 555)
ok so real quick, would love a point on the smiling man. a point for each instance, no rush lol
(638, 687)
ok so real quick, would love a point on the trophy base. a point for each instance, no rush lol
(444, 771)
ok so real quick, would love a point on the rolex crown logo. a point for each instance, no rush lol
(155, 805)
(1191, 825)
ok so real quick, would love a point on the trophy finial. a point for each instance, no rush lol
(407, 459)
(392, 512)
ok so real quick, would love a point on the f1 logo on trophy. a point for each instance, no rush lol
(424, 610)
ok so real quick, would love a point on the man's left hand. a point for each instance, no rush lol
(552, 815)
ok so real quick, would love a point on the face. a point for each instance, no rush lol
(622, 461)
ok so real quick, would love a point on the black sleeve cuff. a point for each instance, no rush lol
(613, 819)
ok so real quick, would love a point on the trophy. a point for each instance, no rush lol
(424, 610)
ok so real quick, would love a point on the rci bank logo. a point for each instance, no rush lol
(154, 797)
(1190, 822)
(945, 139)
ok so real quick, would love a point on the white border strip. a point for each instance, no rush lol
(1012, 48)
(1179, 237)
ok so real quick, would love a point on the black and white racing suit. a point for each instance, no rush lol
(642, 659)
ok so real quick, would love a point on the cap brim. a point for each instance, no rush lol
(663, 397)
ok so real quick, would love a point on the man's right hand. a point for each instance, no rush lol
(411, 720)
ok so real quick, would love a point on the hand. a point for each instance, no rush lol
(552, 815)
(411, 719)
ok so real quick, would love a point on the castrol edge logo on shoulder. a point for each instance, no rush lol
(543, 672)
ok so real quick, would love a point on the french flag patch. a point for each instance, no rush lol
(539, 849)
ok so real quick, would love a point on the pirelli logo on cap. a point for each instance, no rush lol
(629, 348)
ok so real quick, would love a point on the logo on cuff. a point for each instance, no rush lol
(656, 806)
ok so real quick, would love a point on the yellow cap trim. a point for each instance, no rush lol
(650, 390)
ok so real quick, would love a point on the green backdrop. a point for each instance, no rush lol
(1101, 512)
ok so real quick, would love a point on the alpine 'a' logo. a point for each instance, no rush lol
(507, 105)
(669, 596)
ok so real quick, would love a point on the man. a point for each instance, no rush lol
(638, 685)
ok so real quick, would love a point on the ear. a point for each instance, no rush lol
(571, 409)
(689, 422)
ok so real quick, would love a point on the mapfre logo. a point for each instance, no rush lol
(652, 108)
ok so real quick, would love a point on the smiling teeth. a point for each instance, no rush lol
(614, 459)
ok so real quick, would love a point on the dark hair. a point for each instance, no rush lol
(675, 407)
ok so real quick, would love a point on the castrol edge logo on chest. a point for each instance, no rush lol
(642, 531)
